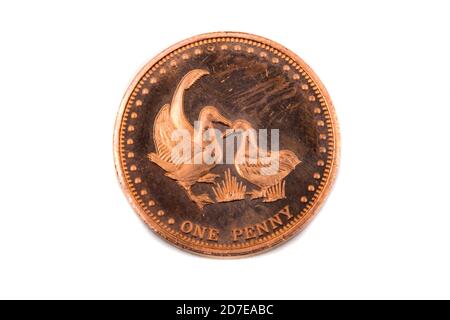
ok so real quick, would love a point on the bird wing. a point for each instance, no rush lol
(264, 165)
(256, 167)
(162, 136)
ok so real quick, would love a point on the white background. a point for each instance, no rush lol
(67, 231)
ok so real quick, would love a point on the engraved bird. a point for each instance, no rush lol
(186, 171)
(257, 166)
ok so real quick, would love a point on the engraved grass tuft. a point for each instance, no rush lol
(229, 189)
(275, 192)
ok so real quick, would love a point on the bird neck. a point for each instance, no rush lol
(201, 126)
(177, 110)
(247, 139)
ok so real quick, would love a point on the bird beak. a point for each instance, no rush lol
(222, 120)
(228, 132)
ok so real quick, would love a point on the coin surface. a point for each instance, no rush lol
(226, 144)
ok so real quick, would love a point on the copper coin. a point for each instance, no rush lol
(226, 144)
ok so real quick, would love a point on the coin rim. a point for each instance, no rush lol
(260, 247)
